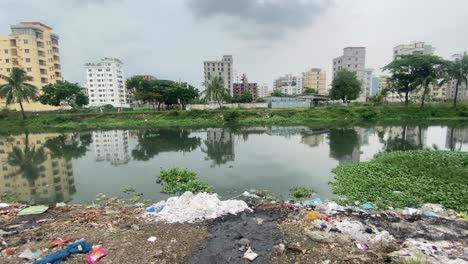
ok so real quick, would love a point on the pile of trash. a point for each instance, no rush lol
(189, 208)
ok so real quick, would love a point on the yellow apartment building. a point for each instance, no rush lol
(55, 182)
(316, 79)
(33, 47)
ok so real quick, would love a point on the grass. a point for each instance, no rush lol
(406, 179)
(343, 115)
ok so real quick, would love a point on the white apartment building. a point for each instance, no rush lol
(353, 60)
(222, 68)
(289, 84)
(368, 75)
(111, 146)
(413, 49)
(105, 83)
(263, 91)
(237, 76)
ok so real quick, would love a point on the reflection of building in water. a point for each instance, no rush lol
(416, 136)
(219, 146)
(31, 173)
(363, 135)
(456, 136)
(111, 146)
(286, 130)
(345, 144)
(314, 137)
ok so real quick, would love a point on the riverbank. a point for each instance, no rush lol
(319, 116)
(279, 232)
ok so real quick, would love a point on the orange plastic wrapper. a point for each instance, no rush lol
(96, 255)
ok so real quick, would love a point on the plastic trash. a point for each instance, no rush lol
(429, 214)
(311, 216)
(62, 204)
(79, 247)
(59, 243)
(334, 229)
(362, 246)
(28, 254)
(4, 205)
(10, 251)
(367, 206)
(315, 202)
(190, 208)
(323, 226)
(34, 210)
(250, 255)
(152, 239)
(96, 255)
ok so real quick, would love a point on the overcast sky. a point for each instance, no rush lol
(268, 38)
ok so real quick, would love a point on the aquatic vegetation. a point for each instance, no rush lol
(178, 180)
(300, 192)
(406, 179)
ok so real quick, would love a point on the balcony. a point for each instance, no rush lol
(42, 62)
(40, 53)
(56, 58)
(40, 44)
(57, 66)
(44, 81)
(54, 49)
(58, 75)
(43, 71)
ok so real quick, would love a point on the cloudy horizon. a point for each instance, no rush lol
(268, 38)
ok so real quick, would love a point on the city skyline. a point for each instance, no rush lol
(247, 31)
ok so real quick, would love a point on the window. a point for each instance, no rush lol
(26, 51)
(99, 70)
(28, 69)
(7, 60)
(25, 41)
(6, 51)
(28, 60)
(8, 69)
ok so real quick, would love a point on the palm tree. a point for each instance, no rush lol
(429, 70)
(457, 71)
(216, 91)
(17, 90)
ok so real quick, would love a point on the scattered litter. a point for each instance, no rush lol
(10, 251)
(44, 220)
(80, 246)
(152, 239)
(62, 204)
(432, 252)
(362, 246)
(28, 254)
(96, 255)
(190, 208)
(60, 243)
(367, 206)
(311, 216)
(334, 229)
(250, 255)
(4, 205)
(259, 220)
(315, 202)
(429, 214)
(33, 210)
(247, 194)
(316, 237)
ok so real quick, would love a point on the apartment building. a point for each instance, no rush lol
(51, 181)
(222, 68)
(368, 74)
(33, 47)
(263, 91)
(451, 86)
(353, 60)
(289, 84)
(245, 86)
(414, 48)
(105, 82)
(316, 79)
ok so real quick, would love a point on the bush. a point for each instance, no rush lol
(367, 113)
(231, 116)
(177, 180)
(300, 192)
(260, 100)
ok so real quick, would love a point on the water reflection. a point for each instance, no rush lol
(153, 142)
(31, 172)
(45, 168)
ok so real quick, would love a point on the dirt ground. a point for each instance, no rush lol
(277, 232)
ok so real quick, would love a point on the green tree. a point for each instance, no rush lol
(403, 78)
(146, 90)
(17, 90)
(308, 90)
(216, 91)
(277, 93)
(177, 93)
(429, 69)
(69, 146)
(27, 161)
(458, 72)
(245, 97)
(343, 143)
(54, 94)
(345, 86)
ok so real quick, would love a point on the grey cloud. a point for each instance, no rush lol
(260, 19)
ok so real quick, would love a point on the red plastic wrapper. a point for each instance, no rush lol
(96, 255)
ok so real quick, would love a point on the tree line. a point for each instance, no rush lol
(408, 74)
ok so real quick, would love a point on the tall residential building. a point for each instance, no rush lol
(315, 78)
(222, 68)
(353, 60)
(413, 49)
(368, 75)
(289, 84)
(236, 76)
(111, 146)
(106, 83)
(33, 47)
(245, 86)
(375, 85)
(263, 91)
